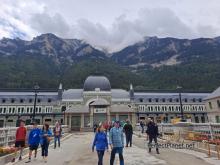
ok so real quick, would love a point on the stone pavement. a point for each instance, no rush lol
(76, 150)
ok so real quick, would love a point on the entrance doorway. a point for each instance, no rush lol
(1, 123)
(99, 118)
(75, 123)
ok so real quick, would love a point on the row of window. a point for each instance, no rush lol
(17, 110)
(144, 108)
(218, 104)
(170, 100)
(12, 100)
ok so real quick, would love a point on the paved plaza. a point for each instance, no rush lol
(76, 150)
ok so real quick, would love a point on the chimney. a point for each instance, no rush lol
(60, 92)
(131, 92)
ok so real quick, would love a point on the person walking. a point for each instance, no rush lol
(152, 132)
(116, 141)
(45, 141)
(95, 127)
(142, 126)
(101, 143)
(20, 140)
(128, 129)
(33, 141)
(57, 131)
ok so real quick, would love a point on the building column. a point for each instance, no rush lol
(117, 116)
(82, 120)
(91, 117)
(70, 120)
(66, 116)
(133, 119)
(108, 114)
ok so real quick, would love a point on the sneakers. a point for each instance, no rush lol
(28, 161)
(13, 160)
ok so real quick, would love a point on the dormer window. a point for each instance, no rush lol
(49, 100)
(141, 100)
(3, 100)
(21, 100)
(12, 100)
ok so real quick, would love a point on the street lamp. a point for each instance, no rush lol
(36, 87)
(181, 105)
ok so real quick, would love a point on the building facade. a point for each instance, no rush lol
(213, 106)
(163, 107)
(97, 102)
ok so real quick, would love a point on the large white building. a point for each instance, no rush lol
(213, 106)
(97, 102)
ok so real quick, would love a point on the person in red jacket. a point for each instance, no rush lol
(20, 139)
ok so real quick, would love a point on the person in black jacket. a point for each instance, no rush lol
(128, 129)
(152, 132)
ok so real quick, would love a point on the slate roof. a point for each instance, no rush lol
(214, 94)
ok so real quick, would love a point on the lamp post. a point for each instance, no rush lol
(181, 105)
(36, 87)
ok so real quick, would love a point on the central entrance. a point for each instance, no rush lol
(99, 108)
(99, 118)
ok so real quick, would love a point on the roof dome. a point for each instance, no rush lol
(93, 82)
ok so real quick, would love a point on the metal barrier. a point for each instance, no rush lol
(7, 135)
(206, 135)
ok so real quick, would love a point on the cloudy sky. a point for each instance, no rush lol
(110, 24)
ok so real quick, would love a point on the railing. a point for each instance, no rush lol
(206, 136)
(7, 135)
(210, 130)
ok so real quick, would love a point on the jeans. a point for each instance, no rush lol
(142, 129)
(100, 156)
(151, 138)
(56, 138)
(44, 149)
(128, 139)
(118, 150)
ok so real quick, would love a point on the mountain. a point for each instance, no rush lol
(50, 45)
(155, 63)
(168, 62)
(156, 52)
(49, 60)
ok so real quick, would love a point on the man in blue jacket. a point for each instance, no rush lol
(116, 141)
(33, 141)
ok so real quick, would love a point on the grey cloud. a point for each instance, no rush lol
(155, 22)
(161, 22)
(44, 23)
